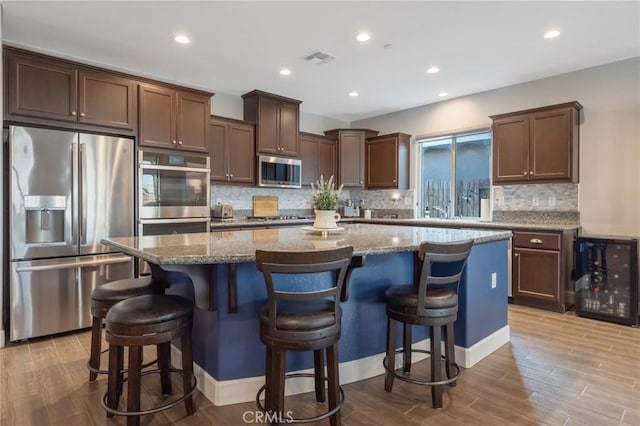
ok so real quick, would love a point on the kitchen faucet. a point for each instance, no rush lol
(441, 210)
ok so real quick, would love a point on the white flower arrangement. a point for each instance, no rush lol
(325, 196)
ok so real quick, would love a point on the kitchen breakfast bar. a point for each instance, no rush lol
(217, 270)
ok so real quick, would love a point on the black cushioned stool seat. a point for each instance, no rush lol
(102, 299)
(432, 302)
(302, 320)
(148, 320)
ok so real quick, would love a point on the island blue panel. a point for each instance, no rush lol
(482, 310)
(227, 345)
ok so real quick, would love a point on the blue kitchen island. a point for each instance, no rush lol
(217, 270)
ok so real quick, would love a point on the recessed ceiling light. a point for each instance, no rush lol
(353, 94)
(182, 39)
(443, 94)
(433, 70)
(552, 34)
(285, 71)
(363, 37)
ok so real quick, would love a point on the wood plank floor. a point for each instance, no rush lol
(557, 370)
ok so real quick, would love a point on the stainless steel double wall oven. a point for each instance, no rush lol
(173, 193)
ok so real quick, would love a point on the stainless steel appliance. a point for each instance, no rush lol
(173, 185)
(279, 172)
(68, 190)
(174, 194)
(222, 211)
(351, 211)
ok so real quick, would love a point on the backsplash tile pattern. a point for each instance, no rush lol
(386, 203)
(523, 197)
(240, 197)
(297, 202)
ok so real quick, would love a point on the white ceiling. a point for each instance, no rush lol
(240, 46)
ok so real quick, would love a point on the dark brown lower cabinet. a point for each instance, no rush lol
(537, 274)
(541, 273)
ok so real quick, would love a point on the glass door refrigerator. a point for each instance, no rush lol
(607, 279)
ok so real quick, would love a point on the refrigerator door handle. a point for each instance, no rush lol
(74, 200)
(69, 265)
(83, 193)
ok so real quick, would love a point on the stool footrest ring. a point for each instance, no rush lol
(152, 410)
(307, 419)
(421, 382)
(98, 371)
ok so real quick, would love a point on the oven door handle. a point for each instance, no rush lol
(174, 168)
(163, 221)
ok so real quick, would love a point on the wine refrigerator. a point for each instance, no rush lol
(607, 279)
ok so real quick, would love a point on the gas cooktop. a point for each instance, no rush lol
(265, 218)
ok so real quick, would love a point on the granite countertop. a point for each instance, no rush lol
(240, 246)
(470, 223)
(453, 223)
(254, 223)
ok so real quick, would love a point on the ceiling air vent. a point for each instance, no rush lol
(319, 57)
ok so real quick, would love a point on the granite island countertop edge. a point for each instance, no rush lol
(175, 254)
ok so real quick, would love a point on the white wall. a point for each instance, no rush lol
(232, 107)
(609, 190)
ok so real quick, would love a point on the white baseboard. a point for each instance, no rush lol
(244, 390)
(468, 357)
(2, 341)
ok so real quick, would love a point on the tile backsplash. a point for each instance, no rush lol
(298, 201)
(507, 199)
(536, 197)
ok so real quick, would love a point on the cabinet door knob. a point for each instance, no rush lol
(82, 114)
(231, 175)
(73, 113)
(516, 254)
(179, 142)
(524, 174)
(394, 181)
(360, 182)
(174, 142)
(531, 172)
(535, 241)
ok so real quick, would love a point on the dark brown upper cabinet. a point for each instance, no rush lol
(277, 122)
(351, 155)
(318, 156)
(537, 145)
(232, 151)
(39, 89)
(173, 119)
(387, 161)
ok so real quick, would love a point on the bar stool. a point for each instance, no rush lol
(137, 322)
(102, 299)
(433, 302)
(306, 316)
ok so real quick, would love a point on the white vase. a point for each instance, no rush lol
(326, 219)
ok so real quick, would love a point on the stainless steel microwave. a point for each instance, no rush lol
(279, 172)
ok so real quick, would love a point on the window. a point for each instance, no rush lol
(454, 174)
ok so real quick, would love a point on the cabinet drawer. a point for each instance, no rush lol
(539, 240)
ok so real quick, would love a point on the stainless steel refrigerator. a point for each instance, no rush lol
(68, 190)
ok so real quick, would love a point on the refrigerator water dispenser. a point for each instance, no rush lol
(44, 219)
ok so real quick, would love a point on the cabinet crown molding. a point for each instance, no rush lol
(271, 95)
(572, 104)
